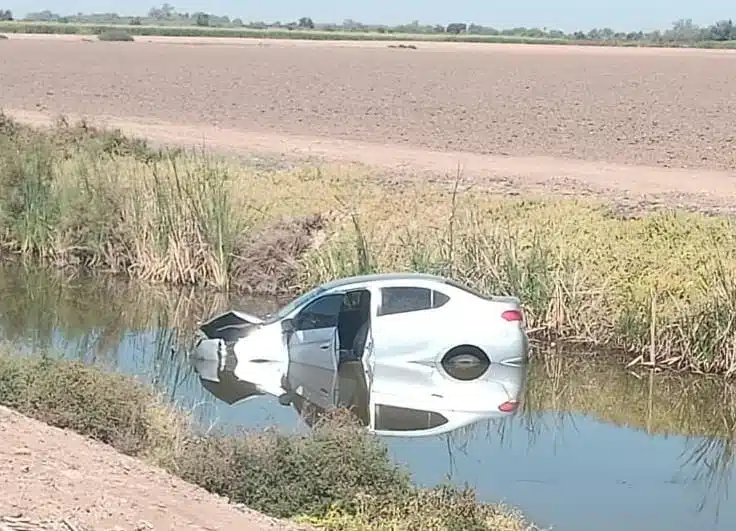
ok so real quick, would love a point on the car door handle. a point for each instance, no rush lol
(325, 346)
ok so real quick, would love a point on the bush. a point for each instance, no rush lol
(287, 475)
(107, 407)
(115, 36)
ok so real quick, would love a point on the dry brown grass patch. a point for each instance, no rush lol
(269, 260)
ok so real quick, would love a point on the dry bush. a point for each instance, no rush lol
(268, 261)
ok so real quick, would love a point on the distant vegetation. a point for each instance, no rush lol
(166, 20)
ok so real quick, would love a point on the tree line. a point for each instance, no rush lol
(683, 30)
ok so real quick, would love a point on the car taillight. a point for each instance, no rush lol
(512, 315)
(509, 407)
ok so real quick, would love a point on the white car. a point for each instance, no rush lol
(404, 327)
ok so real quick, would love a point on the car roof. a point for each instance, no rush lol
(381, 277)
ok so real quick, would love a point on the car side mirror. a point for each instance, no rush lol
(287, 325)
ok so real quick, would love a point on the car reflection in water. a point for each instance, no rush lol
(408, 354)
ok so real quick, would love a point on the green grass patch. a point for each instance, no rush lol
(337, 476)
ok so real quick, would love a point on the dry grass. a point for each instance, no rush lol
(661, 287)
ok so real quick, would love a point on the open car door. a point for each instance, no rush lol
(316, 382)
(312, 333)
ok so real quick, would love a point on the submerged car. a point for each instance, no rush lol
(407, 327)
(408, 316)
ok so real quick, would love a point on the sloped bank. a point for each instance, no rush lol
(660, 287)
(336, 477)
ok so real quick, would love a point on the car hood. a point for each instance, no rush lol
(230, 326)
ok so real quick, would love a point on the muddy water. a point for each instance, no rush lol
(595, 447)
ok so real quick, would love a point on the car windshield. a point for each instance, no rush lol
(296, 303)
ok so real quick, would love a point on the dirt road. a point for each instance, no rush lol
(47, 473)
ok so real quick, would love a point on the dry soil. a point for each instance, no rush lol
(48, 473)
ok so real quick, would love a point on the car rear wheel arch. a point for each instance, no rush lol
(465, 362)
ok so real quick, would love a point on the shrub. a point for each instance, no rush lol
(288, 475)
(107, 407)
(115, 36)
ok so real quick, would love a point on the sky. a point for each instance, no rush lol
(567, 15)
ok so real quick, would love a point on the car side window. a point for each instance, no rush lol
(321, 313)
(410, 299)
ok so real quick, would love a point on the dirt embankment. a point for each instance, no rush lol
(51, 474)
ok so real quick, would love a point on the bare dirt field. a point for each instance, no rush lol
(659, 109)
(51, 474)
(636, 122)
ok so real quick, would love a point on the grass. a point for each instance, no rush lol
(337, 477)
(661, 287)
(323, 35)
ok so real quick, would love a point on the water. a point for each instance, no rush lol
(594, 446)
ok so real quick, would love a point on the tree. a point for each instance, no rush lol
(306, 23)
(723, 30)
(683, 30)
(6, 14)
(457, 27)
(166, 11)
(203, 19)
